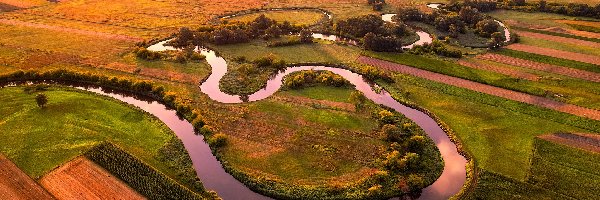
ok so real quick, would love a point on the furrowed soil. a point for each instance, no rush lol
(15, 184)
(575, 73)
(83, 179)
(556, 53)
(487, 89)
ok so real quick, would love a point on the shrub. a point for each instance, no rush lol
(218, 140)
(41, 100)
(392, 133)
(358, 99)
(206, 130)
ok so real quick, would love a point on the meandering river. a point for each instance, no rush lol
(449, 183)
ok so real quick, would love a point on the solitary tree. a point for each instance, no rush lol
(41, 100)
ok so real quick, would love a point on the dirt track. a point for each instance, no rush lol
(556, 53)
(15, 184)
(483, 88)
(70, 30)
(501, 70)
(83, 179)
(558, 39)
(575, 73)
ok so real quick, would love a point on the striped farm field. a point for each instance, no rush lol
(556, 53)
(575, 73)
(579, 22)
(558, 39)
(477, 64)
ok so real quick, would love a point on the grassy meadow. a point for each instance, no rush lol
(41, 139)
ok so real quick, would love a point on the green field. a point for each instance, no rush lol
(41, 139)
(499, 133)
(570, 88)
(557, 172)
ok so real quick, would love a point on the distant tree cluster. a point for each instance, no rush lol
(236, 32)
(310, 78)
(376, 34)
(571, 9)
(437, 48)
(456, 19)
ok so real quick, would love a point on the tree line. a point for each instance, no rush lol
(570, 9)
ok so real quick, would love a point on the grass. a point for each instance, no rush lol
(585, 28)
(494, 186)
(559, 46)
(550, 60)
(498, 132)
(39, 140)
(557, 172)
(535, 18)
(322, 93)
(545, 88)
(565, 170)
(297, 17)
(293, 54)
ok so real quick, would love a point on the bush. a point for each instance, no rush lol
(436, 47)
(41, 100)
(217, 140)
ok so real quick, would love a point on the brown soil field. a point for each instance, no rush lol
(483, 88)
(556, 53)
(575, 73)
(590, 142)
(15, 184)
(497, 69)
(558, 39)
(83, 179)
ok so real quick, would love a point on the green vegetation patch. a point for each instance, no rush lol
(570, 171)
(41, 139)
(494, 186)
(498, 132)
(586, 28)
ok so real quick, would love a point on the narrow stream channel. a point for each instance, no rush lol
(449, 183)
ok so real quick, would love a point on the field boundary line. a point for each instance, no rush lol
(483, 88)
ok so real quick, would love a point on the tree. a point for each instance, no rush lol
(497, 40)
(486, 27)
(470, 15)
(41, 100)
(374, 42)
(306, 36)
(272, 32)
